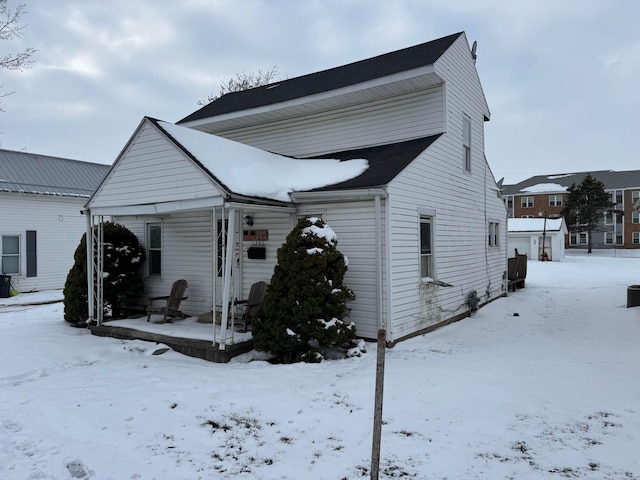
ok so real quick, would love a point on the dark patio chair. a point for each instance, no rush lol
(171, 307)
(251, 305)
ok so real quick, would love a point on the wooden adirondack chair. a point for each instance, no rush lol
(171, 307)
(252, 304)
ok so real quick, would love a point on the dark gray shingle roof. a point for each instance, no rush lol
(22, 172)
(385, 162)
(327, 80)
(611, 179)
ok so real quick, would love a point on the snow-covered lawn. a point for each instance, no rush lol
(552, 392)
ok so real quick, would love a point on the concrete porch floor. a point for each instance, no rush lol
(186, 336)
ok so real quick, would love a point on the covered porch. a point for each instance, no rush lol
(215, 260)
(187, 336)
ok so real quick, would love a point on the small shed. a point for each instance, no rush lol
(534, 236)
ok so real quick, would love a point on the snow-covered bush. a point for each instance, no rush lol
(123, 257)
(305, 305)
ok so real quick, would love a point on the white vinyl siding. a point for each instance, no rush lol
(59, 226)
(151, 170)
(403, 117)
(355, 226)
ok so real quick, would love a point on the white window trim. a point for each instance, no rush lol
(493, 234)
(19, 255)
(430, 214)
(555, 200)
(522, 202)
(466, 142)
(147, 233)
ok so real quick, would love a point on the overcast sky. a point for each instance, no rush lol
(561, 76)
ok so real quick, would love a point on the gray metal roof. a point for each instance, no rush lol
(612, 180)
(30, 173)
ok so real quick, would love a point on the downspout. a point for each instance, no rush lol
(381, 320)
(89, 248)
(227, 278)
(387, 263)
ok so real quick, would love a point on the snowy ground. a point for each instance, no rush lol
(551, 393)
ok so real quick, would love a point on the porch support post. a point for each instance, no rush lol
(89, 248)
(214, 268)
(226, 287)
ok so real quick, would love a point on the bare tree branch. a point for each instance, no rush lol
(10, 28)
(244, 81)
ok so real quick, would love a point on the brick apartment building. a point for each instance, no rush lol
(547, 194)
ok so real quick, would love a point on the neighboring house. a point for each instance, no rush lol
(547, 194)
(389, 151)
(532, 236)
(41, 224)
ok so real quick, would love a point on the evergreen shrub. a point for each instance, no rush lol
(305, 304)
(123, 259)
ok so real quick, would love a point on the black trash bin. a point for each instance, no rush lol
(633, 296)
(5, 286)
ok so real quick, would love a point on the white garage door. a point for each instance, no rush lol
(520, 243)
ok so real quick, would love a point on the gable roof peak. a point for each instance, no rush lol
(354, 73)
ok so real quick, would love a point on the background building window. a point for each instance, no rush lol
(11, 254)
(636, 237)
(526, 202)
(635, 217)
(555, 200)
(426, 247)
(154, 250)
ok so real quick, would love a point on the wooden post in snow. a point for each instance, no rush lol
(377, 409)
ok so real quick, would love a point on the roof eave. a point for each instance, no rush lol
(422, 77)
(340, 195)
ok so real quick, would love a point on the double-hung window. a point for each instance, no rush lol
(635, 238)
(466, 142)
(635, 217)
(426, 247)
(493, 234)
(555, 200)
(526, 202)
(154, 248)
(11, 254)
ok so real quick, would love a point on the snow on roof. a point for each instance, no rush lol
(250, 171)
(534, 224)
(545, 187)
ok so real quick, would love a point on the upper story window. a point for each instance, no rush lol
(608, 218)
(493, 234)
(466, 143)
(555, 200)
(526, 202)
(154, 248)
(635, 217)
(635, 196)
(11, 254)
